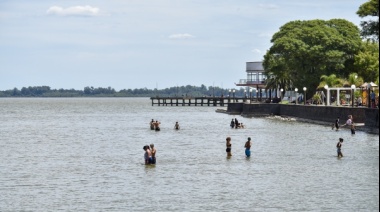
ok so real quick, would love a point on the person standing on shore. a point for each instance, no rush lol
(339, 147)
(228, 145)
(373, 99)
(247, 146)
(360, 101)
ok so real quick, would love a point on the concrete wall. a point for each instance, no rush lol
(368, 116)
(372, 118)
(261, 109)
(235, 108)
(324, 114)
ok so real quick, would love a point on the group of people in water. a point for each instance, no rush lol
(336, 126)
(150, 154)
(247, 147)
(235, 124)
(155, 125)
(349, 122)
(150, 150)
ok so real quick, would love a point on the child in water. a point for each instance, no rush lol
(339, 147)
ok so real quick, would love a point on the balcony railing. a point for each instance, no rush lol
(251, 82)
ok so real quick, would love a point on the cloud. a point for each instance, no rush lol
(181, 36)
(256, 51)
(268, 6)
(73, 11)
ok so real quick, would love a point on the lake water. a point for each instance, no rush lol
(86, 154)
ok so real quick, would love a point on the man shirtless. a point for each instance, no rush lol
(157, 125)
(148, 155)
(153, 151)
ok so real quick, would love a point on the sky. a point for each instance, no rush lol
(128, 44)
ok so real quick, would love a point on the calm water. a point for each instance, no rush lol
(86, 155)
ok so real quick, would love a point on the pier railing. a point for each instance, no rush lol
(196, 101)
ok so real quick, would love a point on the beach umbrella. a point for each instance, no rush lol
(365, 85)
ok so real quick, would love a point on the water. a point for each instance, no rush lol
(84, 154)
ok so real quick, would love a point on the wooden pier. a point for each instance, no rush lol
(195, 101)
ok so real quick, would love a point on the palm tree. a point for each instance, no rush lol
(331, 81)
(354, 79)
(279, 81)
(279, 75)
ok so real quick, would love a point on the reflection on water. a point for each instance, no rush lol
(86, 154)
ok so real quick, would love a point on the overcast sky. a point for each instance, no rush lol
(144, 43)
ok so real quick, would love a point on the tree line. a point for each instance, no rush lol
(178, 91)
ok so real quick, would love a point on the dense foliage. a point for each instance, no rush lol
(46, 91)
(303, 51)
(370, 28)
(367, 62)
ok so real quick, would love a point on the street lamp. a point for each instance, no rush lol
(250, 95)
(245, 95)
(229, 95)
(369, 95)
(233, 93)
(282, 90)
(353, 87)
(304, 101)
(296, 90)
(327, 95)
(257, 94)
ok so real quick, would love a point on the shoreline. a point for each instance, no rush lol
(240, 110)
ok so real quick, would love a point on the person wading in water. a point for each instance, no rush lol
(339, 147)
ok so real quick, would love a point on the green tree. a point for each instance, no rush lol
(367, 61)
(370, 28)
(355, 79)
(279, 75)
(314, 48)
